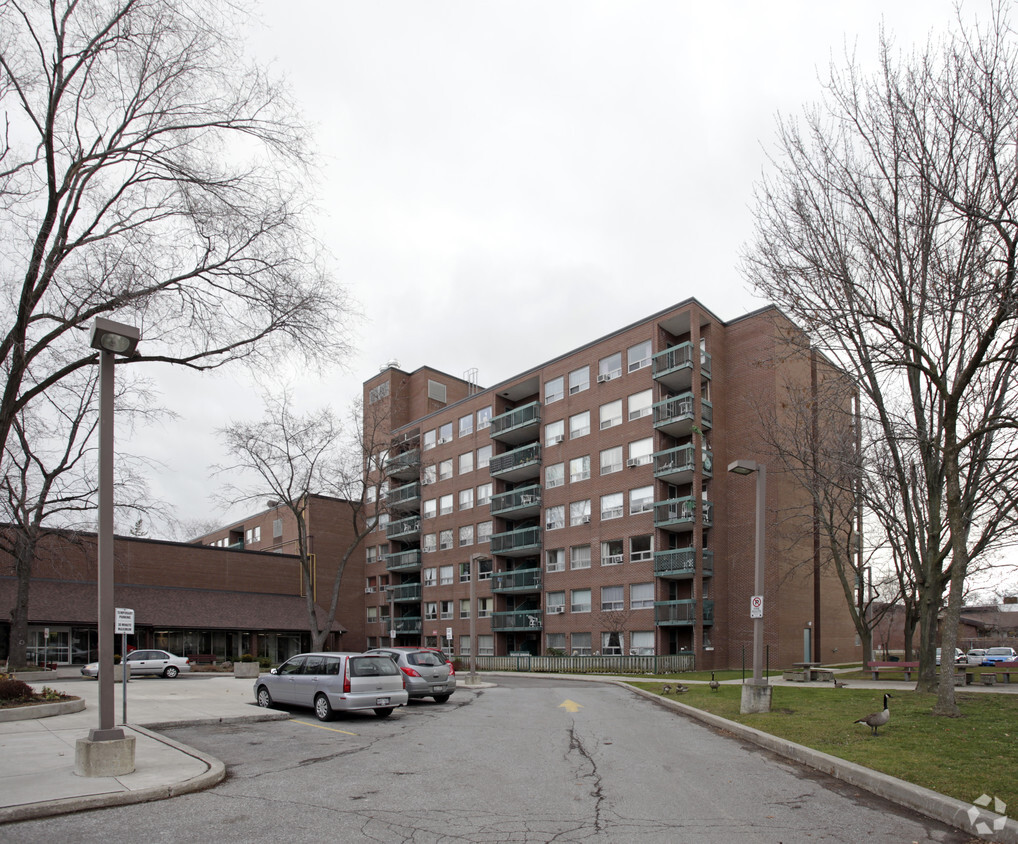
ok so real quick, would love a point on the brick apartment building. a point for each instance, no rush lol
(591, 492)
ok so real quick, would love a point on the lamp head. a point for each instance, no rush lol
(743, 467)
(115, 337)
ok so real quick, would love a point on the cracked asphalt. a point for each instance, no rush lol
(513, 763)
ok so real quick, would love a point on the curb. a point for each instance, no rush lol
(42, 710)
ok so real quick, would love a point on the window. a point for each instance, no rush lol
(431, 610)
(369, 587)
(466, 463)
(429, 439)
(445, 505)
(554, 475)
(580, 600)
(430, 508)
(554, 432)
(430, 576)
(611, 643)
(483, 607)
(429, 544)
(555, 603)
(640, 404)
(611, 460)
(466, 535)
(445, 432)
(579, 380)
(383, 521)
(486, 645)
(484, 569)
(371, 554)
(277, 531)
(641, 548)
(609, 367)
(464, 608)
(554, 390)
(579, 557)
(579, 513)
(612, 598)
(611, 506)
(579, 468)
(378, 393)
(555, 560)
(611, 552)
(445, 470)
(641, 500)
(580, 644)
(638, 356)
(464, 572)
(483, 418)
(483, 456)
(466, 499)
(445, 609)
(483, 494)
(641, 642)
(579, 425)
(466, 425)
(484, 532)
(611, 414)
(555, 517)
(555, 642)
(641, 596)
(445, 576)
(430, 474)
(641, 452)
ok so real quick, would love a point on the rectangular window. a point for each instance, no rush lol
(445, 610)
(555, 642)
(609, 367)
(430, 508)
(641, 642)
(431, 610)
(641, 596)
(641, 548)
(445, 470)
(466, 499)
(579, 513)
(579, 380)
(579, 468)
(579, 557)
(612, 598)
(430, 576)
(445, 505)
(554, 475)
(370, 556)
(484, 570)
(483, 494)
(483, 607)
(554, 432)
(611, 552)
(638, 356)
(430, 474)
(579, 424)
(611, 460)
(555, 517)
(555, 603)
(641, 500)
(580, 643)
(464, 572)
(483, 456)
(466, 463)
(611, 414)
(483, 418)
(445, 575)
(611, 643)
(640, 404)
(641, 452)
(554, 390)
(429, 440)
(464, 608)
(484, 532)
(580, 600)
(466, 535)
(378, 393)
(611, 506)
(466, 424)
(486, 645)
(555, 560)
(445, 433)
(429, 543)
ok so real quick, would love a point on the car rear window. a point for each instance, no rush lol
(429, 658)
(372, 666)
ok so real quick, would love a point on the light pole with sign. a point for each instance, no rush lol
(125, 627)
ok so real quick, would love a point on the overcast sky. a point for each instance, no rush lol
(535, 174)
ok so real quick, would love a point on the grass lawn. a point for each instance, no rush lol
(961, 757)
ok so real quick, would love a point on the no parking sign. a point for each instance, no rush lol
(756, 606)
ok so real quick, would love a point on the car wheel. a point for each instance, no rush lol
(383, 712)
(171, 671)
(263, 697)
(441, 698)
(323, 709)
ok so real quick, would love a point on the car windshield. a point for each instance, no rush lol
(1000, 651)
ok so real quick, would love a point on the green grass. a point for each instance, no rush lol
(960, 757)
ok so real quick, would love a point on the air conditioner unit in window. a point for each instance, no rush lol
(441, 441)
(556, 610)
(585, 520)
(633, 462)
(602, 378)
(559, 439)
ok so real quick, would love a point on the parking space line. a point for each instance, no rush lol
(322, 727)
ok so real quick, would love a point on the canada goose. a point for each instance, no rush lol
(876, 719)
(681, 689)
(665, 689)
(714, 684)
(840, 684)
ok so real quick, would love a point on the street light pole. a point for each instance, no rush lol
(474, 560)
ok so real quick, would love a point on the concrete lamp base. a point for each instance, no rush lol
(755, 698)
(109, 758)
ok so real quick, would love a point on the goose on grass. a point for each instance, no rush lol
(877, 719)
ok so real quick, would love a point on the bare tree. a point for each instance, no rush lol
(889, 231)
(150, 173)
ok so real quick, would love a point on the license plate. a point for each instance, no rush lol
(381, 701)
(438, 688)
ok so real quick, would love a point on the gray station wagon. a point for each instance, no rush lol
(334, 682)
(428, 672)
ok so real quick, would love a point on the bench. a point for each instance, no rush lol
(796, 676)
(202, 659)
(907, 667)
(989, 678)
(1006, 669)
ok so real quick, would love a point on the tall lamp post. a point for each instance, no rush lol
(92, 758)
(756, 696)
(474, 560)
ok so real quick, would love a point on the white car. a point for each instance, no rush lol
(140, 662)
(976, 656)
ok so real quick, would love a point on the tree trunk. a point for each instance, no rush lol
(929, 607)
(24, 554)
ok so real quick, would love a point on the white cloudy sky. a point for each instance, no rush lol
(542, 172)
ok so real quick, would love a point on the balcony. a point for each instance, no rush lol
(520, 502)
(404, 561)
(679, 563)
(404, 530)
(520, 464)
(674, 416)
(676, 464)
(405, 498)
(681, 613)
(679, 514)
(502, 622)
(516, 543)
(519, 580)
(519, 425)
(405, 592)
(406, 465)
(674, 367)
(408, 625)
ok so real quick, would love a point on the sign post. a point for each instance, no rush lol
(124, 621)
(756, 606)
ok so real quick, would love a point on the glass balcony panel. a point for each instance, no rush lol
(519, 425)
(516, 543)
(517, 465)
(518, 580)
(404, 560)
(681, 613)
(521, 501)
(516, 620)
(678, 563)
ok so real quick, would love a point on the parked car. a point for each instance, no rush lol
(334, 682)
(976, 656)
(160, 663)
(1000, 655)
(959, 656)
(428, 672)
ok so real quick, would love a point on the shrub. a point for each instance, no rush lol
(265, 663)
(246, 658)
(14, 690)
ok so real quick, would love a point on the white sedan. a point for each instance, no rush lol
(159, 663)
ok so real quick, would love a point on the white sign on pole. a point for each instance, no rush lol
(756, 606)
(448, 633)
(125, 621)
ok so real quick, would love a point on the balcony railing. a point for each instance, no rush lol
(519, 580)
(679, 514)
(404, 529)
(406, 464)
(520, 501)
(517, 425)
(678, 613)
(516, 543)
(404, 560)
(674, 367)
(407, 625)
(516, 620)
(405, 592)
(680, 563)
(406, 497)
(517, 465)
